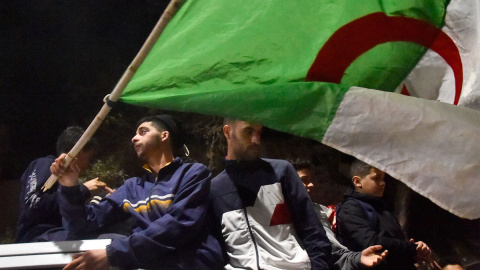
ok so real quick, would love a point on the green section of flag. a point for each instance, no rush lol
(302, 108)
(249, 59)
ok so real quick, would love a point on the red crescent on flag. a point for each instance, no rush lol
(346, 44)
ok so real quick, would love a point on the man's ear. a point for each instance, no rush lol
(226, 131)
(165, 135)
(356, 180)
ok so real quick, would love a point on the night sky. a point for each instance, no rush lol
(58, 60)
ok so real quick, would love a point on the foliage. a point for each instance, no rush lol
(108, 171)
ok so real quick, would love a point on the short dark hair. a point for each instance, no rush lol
(229, 121)
(166, 122)
(69, 137)
(301, 163)
(360, 168)
(159, 125)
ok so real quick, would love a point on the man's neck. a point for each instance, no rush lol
(158, 162)
(230, 155)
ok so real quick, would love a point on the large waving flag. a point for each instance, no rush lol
(437, 74)
(307, 67)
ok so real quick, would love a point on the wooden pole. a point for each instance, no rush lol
(167, 15)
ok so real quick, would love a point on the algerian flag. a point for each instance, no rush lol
(434, 77)
(294, 66)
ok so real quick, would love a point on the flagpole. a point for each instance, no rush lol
(110, 100)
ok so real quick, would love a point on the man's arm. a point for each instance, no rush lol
(307, 225)
(96, 187)
(79, 218)
(345, 259)
(342, 258)
(93, 260)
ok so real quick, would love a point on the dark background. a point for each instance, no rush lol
(60, 58)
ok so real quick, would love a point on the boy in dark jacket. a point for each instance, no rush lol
(168, 205)
(342, 258)
(364, 220)
(40, 218)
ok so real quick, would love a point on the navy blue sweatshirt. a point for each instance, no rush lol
(169, 210)
(40, 218)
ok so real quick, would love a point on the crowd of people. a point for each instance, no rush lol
(255, 214)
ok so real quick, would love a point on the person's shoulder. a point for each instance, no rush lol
(220, 185)
(282, 168)
(198, 166)
(352, 205)
(348, 202)
(347, 205)
(351, 201)
(40, 167)
(219, 179)
(47, 158)
(322, 208)
(279, 164)
(189, 164)
(276, 162)
(194, 168)
(192, 172)
(132, 181)
(43, 161)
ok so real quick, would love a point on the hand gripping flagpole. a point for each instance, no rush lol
(110, 99)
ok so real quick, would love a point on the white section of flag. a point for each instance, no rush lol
(432, 147)
(432, 78)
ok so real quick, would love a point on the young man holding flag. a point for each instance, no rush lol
(168, 204)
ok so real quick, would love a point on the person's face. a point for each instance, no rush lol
(243, 140)
(84, 158)
(307, 178)
(147, 140)
(372, 184)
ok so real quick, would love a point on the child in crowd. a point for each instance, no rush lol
(364, 220)
(341, 258)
